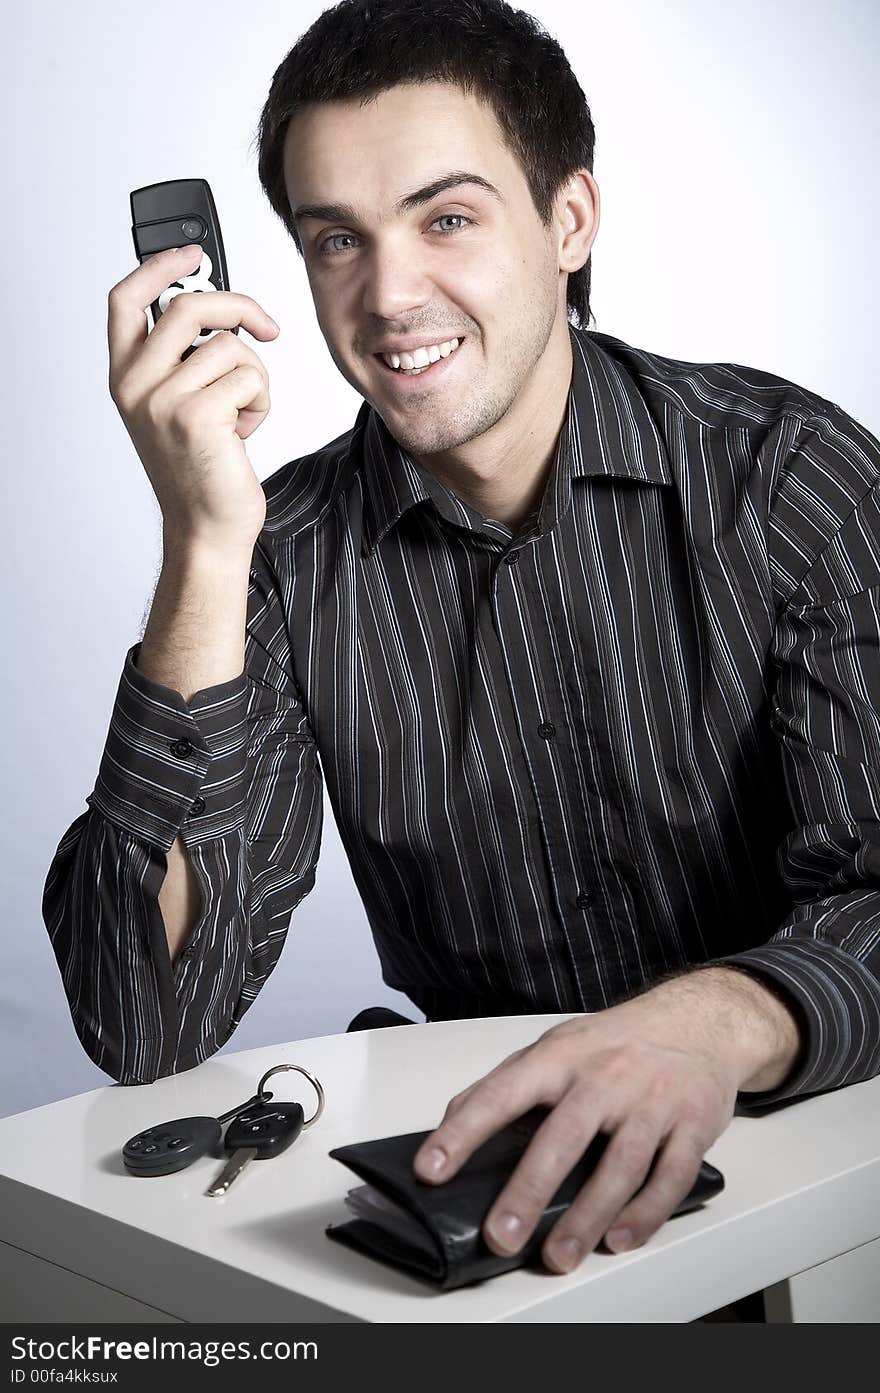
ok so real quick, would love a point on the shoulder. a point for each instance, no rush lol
(798, 440)
(713, 394)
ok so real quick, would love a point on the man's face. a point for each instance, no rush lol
(463, 263)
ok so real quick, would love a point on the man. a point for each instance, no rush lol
(585, 638)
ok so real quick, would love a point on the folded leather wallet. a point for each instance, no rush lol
(439, 1237)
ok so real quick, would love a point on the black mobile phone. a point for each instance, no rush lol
(173, 214)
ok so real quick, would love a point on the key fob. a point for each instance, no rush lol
(171, 1146)
(271, 1128)
(173, 214)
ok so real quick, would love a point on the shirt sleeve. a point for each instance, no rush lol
(235, 773)
(824, 959)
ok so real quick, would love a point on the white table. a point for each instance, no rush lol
(84, 1240)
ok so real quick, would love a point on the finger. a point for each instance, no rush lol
(236, 391)
(185, 318)
(555, 1149)
(514, 1086)
(625, 1163)
(678, 1166)
(129, 298)
(213, 360)
(158, 352)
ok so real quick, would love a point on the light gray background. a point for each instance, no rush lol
(736, 156)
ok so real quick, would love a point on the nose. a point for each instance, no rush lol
(394, 284)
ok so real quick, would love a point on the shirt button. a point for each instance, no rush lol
(182, 748)
(511, 558)
(547, 730)
(585, 899)
(197, 807)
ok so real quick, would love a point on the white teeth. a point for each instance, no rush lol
(421, 357)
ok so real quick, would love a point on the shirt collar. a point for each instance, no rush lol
(607, 429)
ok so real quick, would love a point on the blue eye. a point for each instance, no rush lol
(444, 232)
(449, 230)
(333, 238)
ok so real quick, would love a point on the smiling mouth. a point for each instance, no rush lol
(402, 376)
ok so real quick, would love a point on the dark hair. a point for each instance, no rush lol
(359, 48)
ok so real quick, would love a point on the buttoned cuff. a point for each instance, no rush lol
(837, 1002)
(168, 762)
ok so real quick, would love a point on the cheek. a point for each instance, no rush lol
(324, 306)
(475, 275)
(337, 325)
(507, 289)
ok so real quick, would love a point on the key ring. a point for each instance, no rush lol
(279, 1068)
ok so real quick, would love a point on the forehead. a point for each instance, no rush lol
(337, 149)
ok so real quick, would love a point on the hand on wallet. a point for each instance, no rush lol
(658, 1073)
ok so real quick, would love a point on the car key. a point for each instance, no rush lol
(260, 1133)
(178, 213)
(172, 1146)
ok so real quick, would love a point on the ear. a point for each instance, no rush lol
(577, 220)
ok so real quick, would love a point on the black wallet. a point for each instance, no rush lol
(435, 1230)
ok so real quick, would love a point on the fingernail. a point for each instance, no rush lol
(506, 1230)
(190, 247)
(433, 1161)
(619, 1239)
(565, 1253)
(275, 326)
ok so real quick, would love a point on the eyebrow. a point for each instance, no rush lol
(343, 212)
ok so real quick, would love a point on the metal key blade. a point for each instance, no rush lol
(232, 1170)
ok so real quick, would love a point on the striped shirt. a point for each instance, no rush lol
(638, 736)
